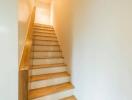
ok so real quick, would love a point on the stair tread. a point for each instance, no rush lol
(40, 33)
(44, 45)
(46, 51)
(47, 65)
(44, 31)
(45, 40)
(44, 35)
(35, 93)
(48, 58)
(70, 98)
(42, 25)
(49, 76)
(38, 27)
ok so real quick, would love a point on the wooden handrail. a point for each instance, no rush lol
(25, 60)
(25, 63)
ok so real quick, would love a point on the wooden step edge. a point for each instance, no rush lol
(48, 28)
(53, 33)
(44, 36)
(52, 58)
(39, 44)
(48, 57)
(36, 93)
(48, 66)
(69, 98)
(44, 45)
(43, 32)
(42, 25)
(43, 29)
(35, 32)
(49, 76)
(47, 31)
(46, 51)
(39, 24)
(45, 40)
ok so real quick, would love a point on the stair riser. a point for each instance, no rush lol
(48, 70)
(45, 42)
(44, 38)
(46, 48)
(46, 54)
(44, 34)
(50, 82)
(57, 96)
(47, 61)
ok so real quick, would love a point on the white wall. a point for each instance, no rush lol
(42, 13)
(61, 18)
(25, 8)
(101, 48)
(9, 50)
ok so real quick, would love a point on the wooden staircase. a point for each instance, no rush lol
(49, 78)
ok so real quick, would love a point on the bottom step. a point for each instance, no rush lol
(56, 92)
(57, 96)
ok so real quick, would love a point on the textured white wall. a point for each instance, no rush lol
(102, 55)
(101, 47)
(9, 50)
